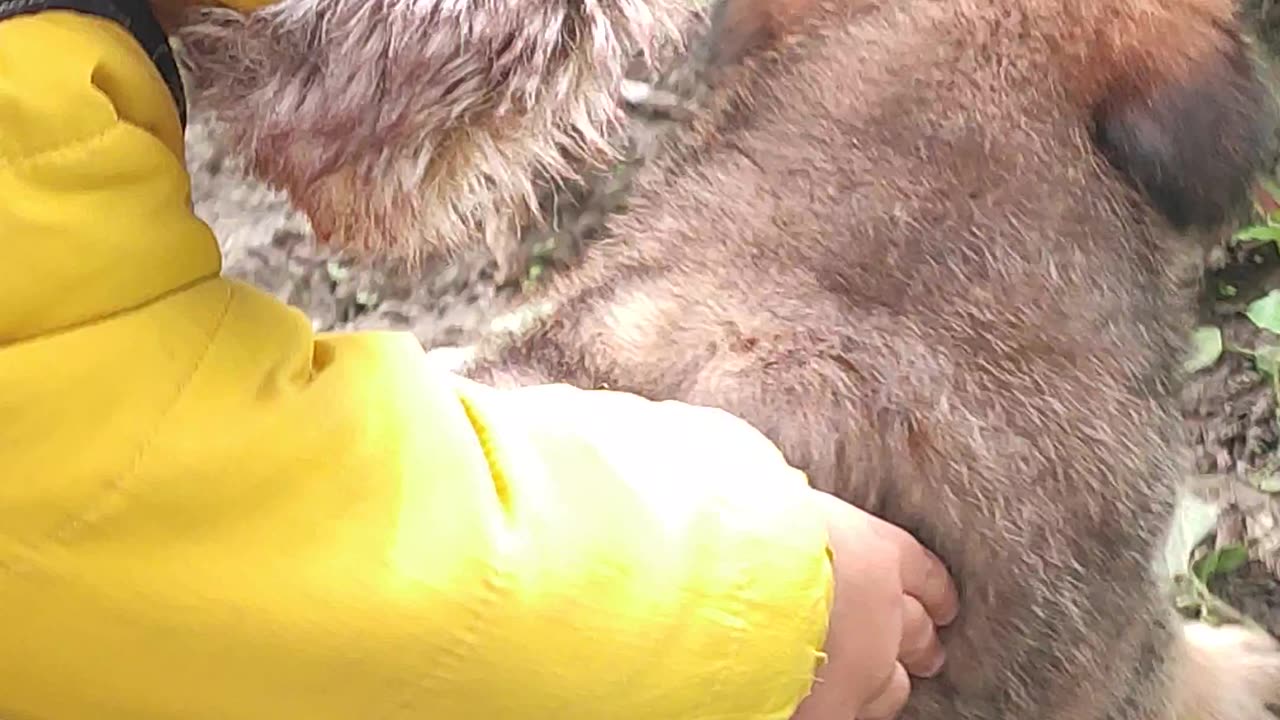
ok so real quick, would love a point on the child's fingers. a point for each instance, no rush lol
(921, 651)
(891, 699)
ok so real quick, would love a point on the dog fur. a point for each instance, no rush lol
(942, 253)
(403, 125)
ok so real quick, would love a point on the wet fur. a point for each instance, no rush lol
(943, 254)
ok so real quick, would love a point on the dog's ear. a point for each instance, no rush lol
(1194, 138)
(740, 28)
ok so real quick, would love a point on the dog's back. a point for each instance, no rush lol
(941, 252)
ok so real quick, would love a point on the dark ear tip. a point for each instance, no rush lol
(1194, 147)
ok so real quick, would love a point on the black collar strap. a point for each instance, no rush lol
(135, 16)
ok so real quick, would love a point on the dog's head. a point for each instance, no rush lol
(402, 126)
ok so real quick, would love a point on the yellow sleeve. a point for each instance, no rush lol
(209, 512)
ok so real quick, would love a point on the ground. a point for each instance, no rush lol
(1230, 403)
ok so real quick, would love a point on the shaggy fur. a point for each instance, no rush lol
(938, 250)
(942, 253)
(398, 125)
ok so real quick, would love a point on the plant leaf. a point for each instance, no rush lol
(1193, 520)
(1269, 484)
(337, 272)
(1206, 348)
(1231, 558)
(1265, 311)
(1267, 360)
(1205, 567)
(1226, 559)
(1258, 232)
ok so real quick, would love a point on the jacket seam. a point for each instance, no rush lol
(108, 316)
(493, 585)
(68, 530)
(740, 583)
(64, 148)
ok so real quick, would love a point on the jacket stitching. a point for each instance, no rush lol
(78, 523)
(735, 603)
(66, 148)
(493, 586)
(57, 330)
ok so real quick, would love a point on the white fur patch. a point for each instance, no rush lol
(1231, 673)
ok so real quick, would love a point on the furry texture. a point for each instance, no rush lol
(943, 254)
(403, 125)
(940, 252)
(1225, 671)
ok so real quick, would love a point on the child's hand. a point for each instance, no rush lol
(891, 596)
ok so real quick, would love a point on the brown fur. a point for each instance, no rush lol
(397, 126)
(937, 250)
(942, 253)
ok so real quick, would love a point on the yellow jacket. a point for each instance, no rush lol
(207, 511)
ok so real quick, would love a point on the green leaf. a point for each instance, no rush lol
(1265, 311)
(1268, 484)
(1225, 560)
(1258, 232)
(1267, 360)
(1227, 291)
(1206, 348)
(337, 272)
(1231, 558)
(1193, 520)
(1205, 567)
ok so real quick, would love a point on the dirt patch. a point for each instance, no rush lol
(1230, 411)
(267, 243)
(1254, 592)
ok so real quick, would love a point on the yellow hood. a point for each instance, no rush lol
(113, 194)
